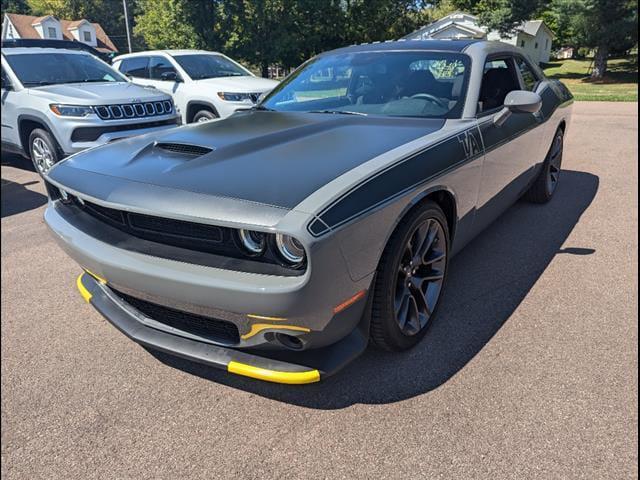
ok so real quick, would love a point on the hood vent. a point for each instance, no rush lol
(183, 148)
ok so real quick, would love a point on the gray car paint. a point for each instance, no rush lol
(483, 176)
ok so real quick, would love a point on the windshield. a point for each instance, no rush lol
(39, 69)
(199, 67)
(406, 84)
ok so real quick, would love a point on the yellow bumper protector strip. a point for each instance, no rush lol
(81, 288)
(96, 276)
(258, 327)
(276, 376)
(262, 317)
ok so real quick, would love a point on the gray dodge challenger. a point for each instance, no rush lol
(278, 242)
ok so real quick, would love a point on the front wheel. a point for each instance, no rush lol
(410, 279)
(43, 150)
(547, 182)
(204, 116)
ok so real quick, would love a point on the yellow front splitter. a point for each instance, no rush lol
(92, 291)
(291, 378)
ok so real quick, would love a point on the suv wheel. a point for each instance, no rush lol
(204, 116)
(43, 150)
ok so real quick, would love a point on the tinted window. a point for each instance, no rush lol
(199, 67)
(37, 69)
(158, 66)
(498, 80)
(529, 78)
(405, 84)
(135, 67)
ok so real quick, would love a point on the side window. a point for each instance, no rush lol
(498, 80)
(161, 69)
(529, 77)
(135, 67)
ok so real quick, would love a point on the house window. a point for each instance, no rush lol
(522, 43)
(546, 43)
(87, 36)
(52, 32)
(536, 46)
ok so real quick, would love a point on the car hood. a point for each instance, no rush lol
(97, 93)
(272, 158)
(245, 84)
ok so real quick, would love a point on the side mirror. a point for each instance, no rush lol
(518, 101)
(170, 77)
(6, 85)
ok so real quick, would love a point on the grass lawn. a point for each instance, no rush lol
(619, 85)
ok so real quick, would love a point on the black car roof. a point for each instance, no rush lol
(434, 45)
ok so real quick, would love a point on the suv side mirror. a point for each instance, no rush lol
(6, 84)
(170, 77)
(518, 101)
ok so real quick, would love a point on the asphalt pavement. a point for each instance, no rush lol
(530, 372)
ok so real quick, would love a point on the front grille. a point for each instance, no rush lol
(183, 148)
(255, 97)
(91, 134)
(210, 328)
(158, 229)
(184, 241)
(134, 110)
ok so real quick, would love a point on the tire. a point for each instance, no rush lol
(399, 283)
(204, 116)
(546, 183)
(43, 150)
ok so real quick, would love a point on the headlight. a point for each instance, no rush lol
(71, 110)
(290, 249)
(254, 242)
(234, 97)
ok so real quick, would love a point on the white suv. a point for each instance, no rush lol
(56, 102)
(204, 85)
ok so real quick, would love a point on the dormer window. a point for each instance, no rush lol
(51, 31)
(86, 36)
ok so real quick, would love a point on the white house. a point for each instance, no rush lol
(16, 26)
(533, 36)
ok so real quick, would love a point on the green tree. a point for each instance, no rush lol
(561, 16)
(502, 15)
(15, 6)
(607, 25)
(379, 20)
(162, 24)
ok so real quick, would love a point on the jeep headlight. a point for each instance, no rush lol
(234, 97)
(70, 110)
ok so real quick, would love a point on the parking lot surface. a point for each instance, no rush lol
(530, 371)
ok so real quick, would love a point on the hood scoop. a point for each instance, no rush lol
(183, 148)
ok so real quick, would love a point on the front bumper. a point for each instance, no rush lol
(275, 366)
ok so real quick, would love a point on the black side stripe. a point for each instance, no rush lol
(398, 179)
(435, 160)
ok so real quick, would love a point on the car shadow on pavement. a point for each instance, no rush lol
(487, 281)
(17, 161)
(16, 198)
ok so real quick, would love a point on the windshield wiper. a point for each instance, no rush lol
(339, 112)
(42, 83)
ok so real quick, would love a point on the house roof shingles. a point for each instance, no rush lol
(24, 25)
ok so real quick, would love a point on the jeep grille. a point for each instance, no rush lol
(134, 110)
